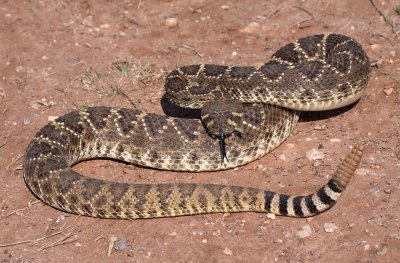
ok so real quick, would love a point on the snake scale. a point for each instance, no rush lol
(314, 73)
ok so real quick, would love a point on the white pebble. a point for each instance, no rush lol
(320, 127)
(171, 22)
(216, 233)
(388, 91)
(382, 251)
(27, 120)
(19, 69)
(271, 216)
(335, 140)
(305, 232)
(252, 28)
(362, 171)
(314, 154)
(105, 26)
(227, 251)
(375, 46)
(317, 163)
(330, 227)
(224, 7)
(282, 157)
(52, 118)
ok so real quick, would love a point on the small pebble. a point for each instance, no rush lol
(52, 118)
(335, 140)
(305, 232)
(362, 171)
(282, 157)
(216, 233)
(375, 46)
(290, 145)
(105, 26)
(382, 251)
(60, 218)
(224, 7)
(314, 154)
(227, 251)
(271, 216)
(204, 241)
(388, 190)
(317, 163)
(320, 127)
(330, 227)
(279, 241)
(252, 28)
(121, 244)
(18, 69)
(171, 22)
(27, 120)
(388, 91)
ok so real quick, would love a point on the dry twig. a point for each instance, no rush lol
(111, 244)
(304, 20)
(192, 49)
(23, 209)
(6, 140)
(29, 240)
(15, 160)
(387, 75)
(62, 241)
(123, 94)
(304, 10)
(383, 36)
(387, 20)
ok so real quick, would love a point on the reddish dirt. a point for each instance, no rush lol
(57, 55)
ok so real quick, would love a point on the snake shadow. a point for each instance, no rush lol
(173, 110)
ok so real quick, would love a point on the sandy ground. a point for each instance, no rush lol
(56, 56)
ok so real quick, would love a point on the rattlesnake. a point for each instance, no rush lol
(313, 73)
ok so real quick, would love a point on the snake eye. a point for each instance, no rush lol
(175, 85)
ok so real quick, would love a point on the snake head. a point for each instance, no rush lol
(188, 91)
(223, 117)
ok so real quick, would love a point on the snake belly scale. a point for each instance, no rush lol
(334, 67)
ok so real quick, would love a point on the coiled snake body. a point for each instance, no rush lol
(314, 73)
